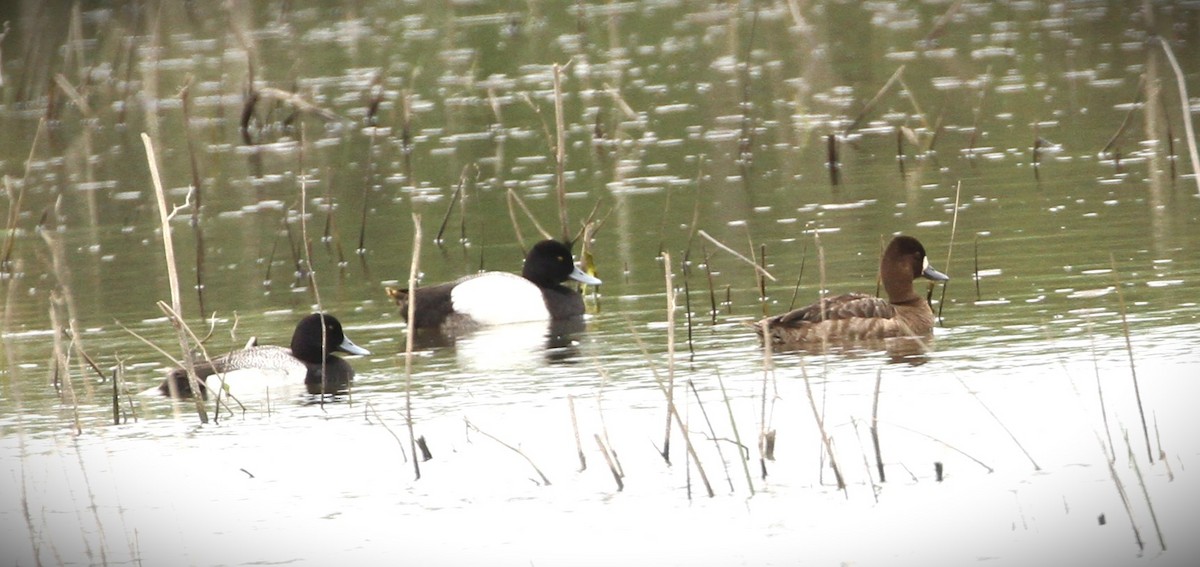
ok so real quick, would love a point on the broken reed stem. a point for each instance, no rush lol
(1137, 390)
(737, 255)
(603, 424)
(946, 445)
(409, 332)
(362, 219)
(1185, 102)
(472, 426)
(173, 276)
(713, 433)
(575, 428)
(712, 293)
(1137, 99)
(742, 457)
(608, 459)
(14, 210)
(949, 249)
(666, 449)
(812, 402)
(560, 154)
(1099, 383)
(978, 297)
(875, 426)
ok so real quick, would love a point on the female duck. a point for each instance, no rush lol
(310, 359)
(499, 298)
(857, 316)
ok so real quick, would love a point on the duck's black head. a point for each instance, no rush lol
(550, 263)
(307, 339)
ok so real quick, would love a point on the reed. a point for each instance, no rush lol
(831, 159)
(996, 418)
(768, 371)
(198, 193)
(1125, 501)
(1137, 390)
(825, 440)
(575, 428)
(670, 392)
(560, 153)
(615, 459)
(712, 293)
(366, 192)
(1188, 129)
(457, 197)
(612, 467)
(370, 408)
(173, 276)
(14, 209)
(409, 333)
(875, 426)
(870, 105)
(473, 427)
(738, 255)
(949, 249)
(737, 437)
(712, 433)
(1137, 99)
(977, 113)
(672, 410)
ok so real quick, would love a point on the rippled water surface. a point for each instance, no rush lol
(1038, 150)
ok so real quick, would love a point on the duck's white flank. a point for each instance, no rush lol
(497, 298)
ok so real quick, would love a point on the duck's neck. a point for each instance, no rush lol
(898, 284)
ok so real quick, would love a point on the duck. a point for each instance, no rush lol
(863, 317)
(309, 360)
(501, 298)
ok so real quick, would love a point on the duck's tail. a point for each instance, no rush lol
(401, 297)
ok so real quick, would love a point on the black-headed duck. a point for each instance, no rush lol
(858, 316)
(499, 298)
(308, 361)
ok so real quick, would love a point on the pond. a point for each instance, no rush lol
(1039, 151)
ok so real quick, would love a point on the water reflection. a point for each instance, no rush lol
(520, 346)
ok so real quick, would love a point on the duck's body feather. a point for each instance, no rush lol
(261, 369)
(862, 317)
(500, 298)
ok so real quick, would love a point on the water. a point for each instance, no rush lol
(678, 117)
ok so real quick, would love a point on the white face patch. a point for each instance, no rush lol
(925, 263)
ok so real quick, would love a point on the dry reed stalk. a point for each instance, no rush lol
(173, 277)
(875, 426)
(978, 297)
(366, 192)
(604, 425)
(14, 210)
(1188, 128)
(370, 408)
(62, 360)
(1125, 502)
(668, 275)
(912, 99)
(737, 255)
(687, 439)
(768, 369)
(409, 332)
(1137, 99)
(473, 427)
(611, 466)
(1162, 542)
(560, 154)
(575, 428)
(197, 189)
(825, 441)
(1099, 383)
(936, 30)
(713, 434)
(712, 293)
(742, 456)
(454, 198)
(1137, 390)
(800, 276)
(977, 112)
(512, 195)
(874, 100)
(831, 160)
(949, 249)
(944, 444)
(997, 419)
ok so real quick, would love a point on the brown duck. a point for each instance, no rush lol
(858, 316)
